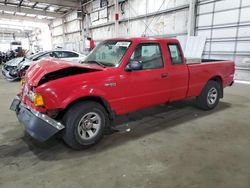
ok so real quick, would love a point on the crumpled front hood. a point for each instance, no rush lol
(14, 62)
(26, 62)
(53, 69)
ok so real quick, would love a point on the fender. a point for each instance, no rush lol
(89, 94)
(82, 93)
(58, 98)
(102, 101)
(216, 78)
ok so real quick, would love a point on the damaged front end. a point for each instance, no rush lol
(62, 73)
(31, 105)
(10, 73)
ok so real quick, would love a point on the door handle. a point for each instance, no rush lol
(164, 75)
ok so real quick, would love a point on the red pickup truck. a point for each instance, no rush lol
(119, 76)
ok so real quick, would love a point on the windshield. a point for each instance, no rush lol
(31, 57)
(108, 53)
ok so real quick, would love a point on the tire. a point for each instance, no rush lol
(85, 124)
(209, 97)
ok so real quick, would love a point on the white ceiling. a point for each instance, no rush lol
(31, 11)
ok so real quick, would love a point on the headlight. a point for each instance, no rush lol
(22, 67)
(13, 72)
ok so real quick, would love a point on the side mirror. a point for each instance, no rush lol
(133, 65)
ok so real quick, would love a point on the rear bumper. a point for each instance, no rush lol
(38, 125)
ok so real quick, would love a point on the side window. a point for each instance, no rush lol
(59, 54)
(175, 54)
(53, 54)
(65, 54)
(149, 54)
(69, 54)
(43, 56)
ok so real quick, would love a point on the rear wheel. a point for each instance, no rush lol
(209, 97)
(85, 123)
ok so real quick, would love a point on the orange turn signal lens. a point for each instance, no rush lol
(22, 82)
(38, 100)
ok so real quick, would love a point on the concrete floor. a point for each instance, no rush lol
(168, 146)
(242, 74)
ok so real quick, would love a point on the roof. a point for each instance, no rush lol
(138, 39)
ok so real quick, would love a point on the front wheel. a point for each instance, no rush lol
(85, 123)
(209, 97)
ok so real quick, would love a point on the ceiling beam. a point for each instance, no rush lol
(29, 11)
(6, 36)
(24, 18)
(10, 30)
(72, 4)
(17, 27)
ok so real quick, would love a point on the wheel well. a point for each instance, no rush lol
(218, 79)
(99, 100)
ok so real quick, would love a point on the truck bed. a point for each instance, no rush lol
(197, 61)
(211, 60)
(200, 73)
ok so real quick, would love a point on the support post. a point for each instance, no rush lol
(64, 32)
(116, 18)
(191, 17)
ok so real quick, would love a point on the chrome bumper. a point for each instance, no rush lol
(45, 118)
(38, 125)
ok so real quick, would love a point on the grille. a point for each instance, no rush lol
(8, 68)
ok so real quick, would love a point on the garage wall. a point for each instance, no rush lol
(226, 24)
(40, 39)
(66, 32)
(137, 18)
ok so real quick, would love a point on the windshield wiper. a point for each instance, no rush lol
(95, 62)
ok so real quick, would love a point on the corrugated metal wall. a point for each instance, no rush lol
(66, 32)
(226, 24)
(139, 18)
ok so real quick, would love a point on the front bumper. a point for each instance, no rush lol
(7, 75)
(38, 125)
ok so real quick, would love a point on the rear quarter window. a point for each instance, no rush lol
(175, 54)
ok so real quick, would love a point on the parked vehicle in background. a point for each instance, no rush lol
(118, 77)
(7, 56)
(9, 69)
(14, 69)
(1, 57)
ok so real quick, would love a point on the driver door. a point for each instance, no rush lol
(146, 87)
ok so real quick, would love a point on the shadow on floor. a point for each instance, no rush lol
(138, 124)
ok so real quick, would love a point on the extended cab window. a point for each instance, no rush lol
(175, 54)
(149, 54)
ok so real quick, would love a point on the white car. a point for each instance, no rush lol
(14, 69)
